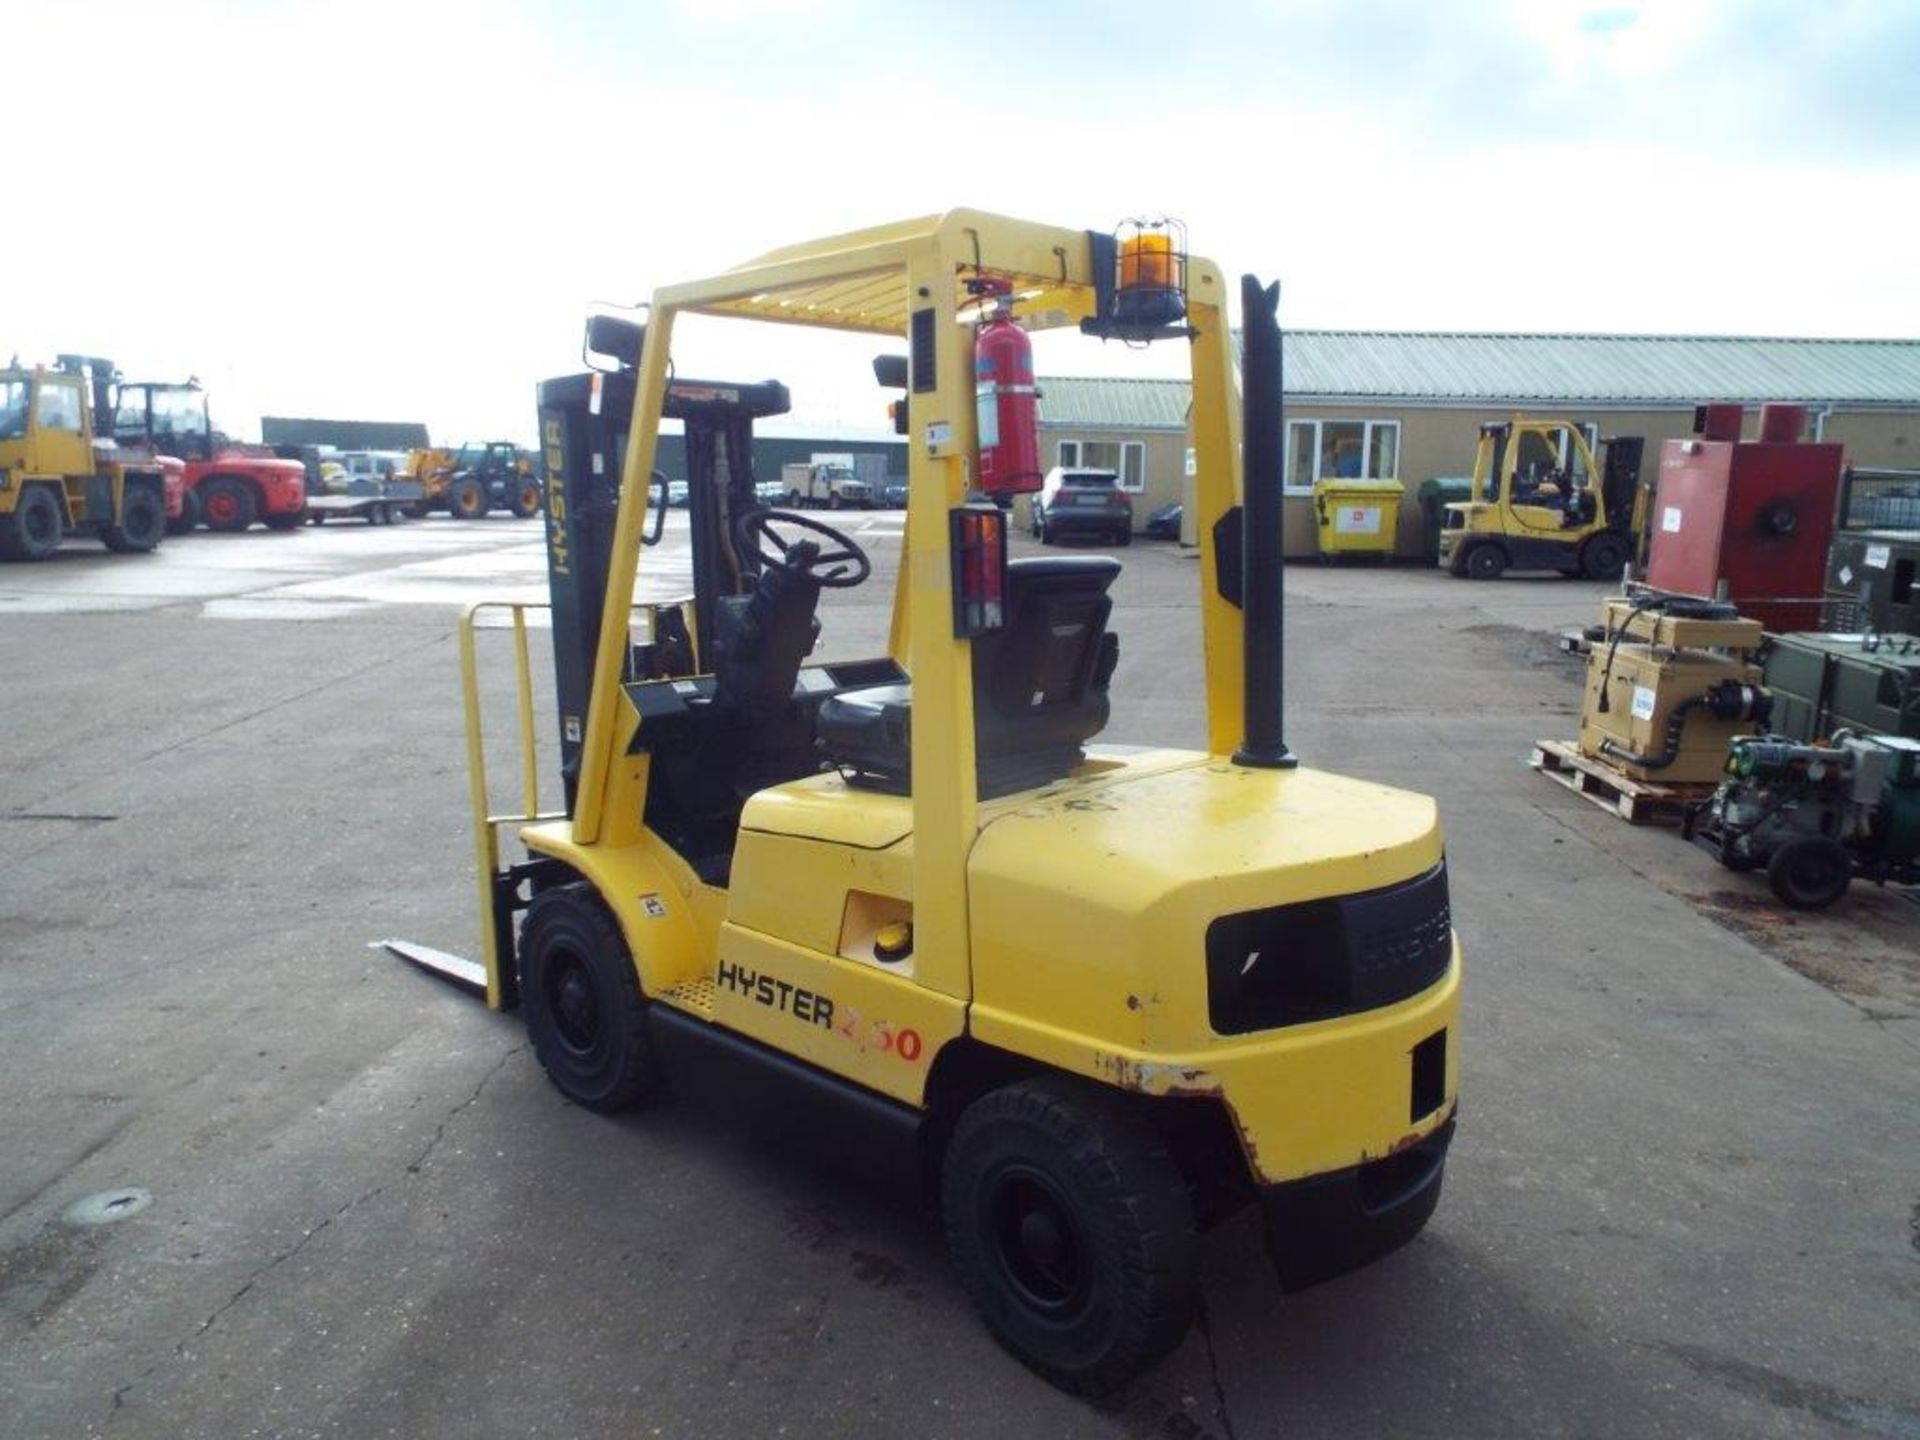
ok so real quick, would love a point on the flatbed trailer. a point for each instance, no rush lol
(377, 505)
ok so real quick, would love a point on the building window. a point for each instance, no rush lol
(1126, 458)
(1341, 450)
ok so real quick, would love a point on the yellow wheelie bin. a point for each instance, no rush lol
(1357, 517)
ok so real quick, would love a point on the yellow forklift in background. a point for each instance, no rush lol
(1093, 998)
(1540, 503)
(60, 475)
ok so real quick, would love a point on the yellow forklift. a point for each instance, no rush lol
(1539, 503)
(1092, 999)
(59, 475)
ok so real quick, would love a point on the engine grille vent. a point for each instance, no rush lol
(1323, 958)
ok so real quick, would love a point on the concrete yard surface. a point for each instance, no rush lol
(1684, 1200)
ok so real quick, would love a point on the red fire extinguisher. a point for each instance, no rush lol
(1009, 412)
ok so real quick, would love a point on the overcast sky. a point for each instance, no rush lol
(400, 211)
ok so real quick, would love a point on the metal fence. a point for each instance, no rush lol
(1882, 500)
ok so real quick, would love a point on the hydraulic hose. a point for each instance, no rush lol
(1683, 606)
(1726, 700)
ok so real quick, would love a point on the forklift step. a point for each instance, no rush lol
(1638, 802)
(695, 997)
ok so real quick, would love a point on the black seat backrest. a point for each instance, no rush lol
(765, 640)
(1039, 682)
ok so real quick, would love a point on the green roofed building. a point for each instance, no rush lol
(1407, 405)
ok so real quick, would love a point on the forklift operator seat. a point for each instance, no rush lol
(758, 655)
(1039, 687)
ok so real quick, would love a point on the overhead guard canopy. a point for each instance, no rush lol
(855, 281)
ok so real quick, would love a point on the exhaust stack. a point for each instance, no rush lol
(1262, 600)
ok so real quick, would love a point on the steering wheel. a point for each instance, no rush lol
(839, 566)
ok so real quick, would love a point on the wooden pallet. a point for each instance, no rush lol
(1638, 802)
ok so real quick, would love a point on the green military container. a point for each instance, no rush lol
(1824, 683)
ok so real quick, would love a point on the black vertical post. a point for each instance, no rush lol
(1263, 456)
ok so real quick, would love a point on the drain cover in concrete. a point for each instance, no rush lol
(107, 1206)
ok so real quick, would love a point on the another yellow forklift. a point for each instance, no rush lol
(1094, 998)
(1539, 503)
(59, 474)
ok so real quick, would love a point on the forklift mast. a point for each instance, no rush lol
(1494, 435)
(584, 423)
(102, 375)
(1620, 480)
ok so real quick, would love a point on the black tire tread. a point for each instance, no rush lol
(1133, 1176)
(138, 540)
(1607, 544)
(13, 543)
(1786, 883)
(464, 486)
(580, 904)
(1494, 568)
(249, 507)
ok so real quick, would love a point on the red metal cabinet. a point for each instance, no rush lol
(1746, 520)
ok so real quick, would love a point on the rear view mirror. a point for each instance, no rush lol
(890, 371)
(615, 339)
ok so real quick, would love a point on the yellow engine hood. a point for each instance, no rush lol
(1089, 909)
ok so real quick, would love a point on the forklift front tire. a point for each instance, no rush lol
(582, 1000)
(228, 505)
(142, 524)
(1073, 1231)
(35, 528)
(1486, 562)
(1604, 558)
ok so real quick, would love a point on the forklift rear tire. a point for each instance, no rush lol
(582, 1000)
(228, 505)
(36, 527)
(526, 501)
(1810, 873)
(1486, 562)
(1604, 558)
(143, 522)
(1073, 1231)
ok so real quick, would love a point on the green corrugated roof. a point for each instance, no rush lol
(1618, 369)
(1091, 402)
(1434, 367)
